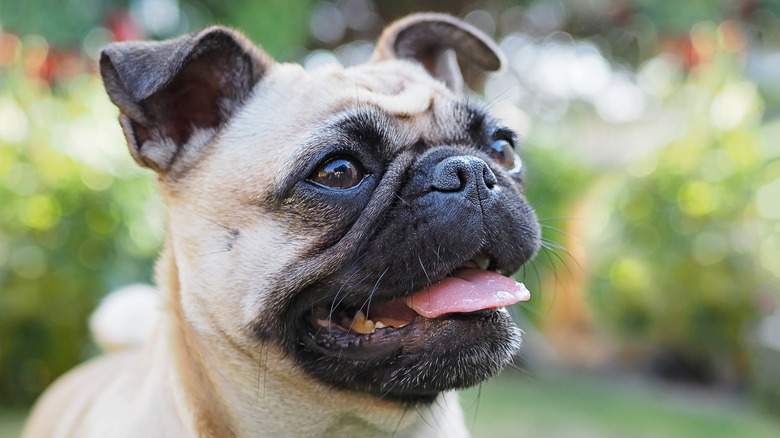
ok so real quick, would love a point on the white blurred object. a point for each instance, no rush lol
(327, 23)
(160, 17)
(126, 317)
(769, 332)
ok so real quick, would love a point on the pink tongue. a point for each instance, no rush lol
(467, 290)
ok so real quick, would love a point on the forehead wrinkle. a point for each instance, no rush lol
(369, 125)
(399, 87)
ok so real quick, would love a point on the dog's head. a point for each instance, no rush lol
(362, 220)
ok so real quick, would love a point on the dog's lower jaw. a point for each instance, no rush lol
(231, 391)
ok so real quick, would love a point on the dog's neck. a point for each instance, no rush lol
(222, 389)
(209, 412)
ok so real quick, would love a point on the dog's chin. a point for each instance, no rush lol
(396, 353)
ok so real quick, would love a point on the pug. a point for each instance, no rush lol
(340, 242)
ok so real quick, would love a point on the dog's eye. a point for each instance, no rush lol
(338, 173)
(502, 151)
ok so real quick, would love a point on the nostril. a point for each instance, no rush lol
(489, 177)
(447, 178)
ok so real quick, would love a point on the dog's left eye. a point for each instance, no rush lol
(502, 151)
(339, 173)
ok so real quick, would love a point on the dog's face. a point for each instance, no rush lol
(359, 220)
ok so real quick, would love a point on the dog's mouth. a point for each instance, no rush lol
(468, 289)
(383, 344)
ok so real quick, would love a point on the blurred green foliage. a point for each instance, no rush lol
(678, 237)
(77, 218)
(281, 27)
(64, 23)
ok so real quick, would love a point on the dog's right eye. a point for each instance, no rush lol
(339, 173)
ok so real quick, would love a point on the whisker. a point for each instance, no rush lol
(368, 300)
(523, 371)
(333, 304)
(212, 221)
(398, 424)
(550, 252)
(435, 418)
(564, 218)
(550, 262)
(214, 252)
(557, 230)
(536, 273)
(558, 180)
(422, 417)
(476, 408)
(551, 245)
(371, 295)
(500, 96)
(350, 290)
(533, 311)
(423, 269)
(257, 383)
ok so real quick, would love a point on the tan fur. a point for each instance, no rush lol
(203, 374)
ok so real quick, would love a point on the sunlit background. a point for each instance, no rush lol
(652, 143)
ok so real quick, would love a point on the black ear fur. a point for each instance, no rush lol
(167, 90)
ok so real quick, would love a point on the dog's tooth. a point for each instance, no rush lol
(401, 325)
(379, 325)
(360, 316)
(366, 327)
(362, 324)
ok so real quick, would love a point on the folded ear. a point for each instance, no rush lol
(168, 91)
(434, 40)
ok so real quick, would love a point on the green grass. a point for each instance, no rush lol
(586, 407)
(599, 408)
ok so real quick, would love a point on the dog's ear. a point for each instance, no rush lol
(434, 40)
(168, 91)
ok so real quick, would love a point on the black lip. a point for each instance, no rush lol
(397, 364)
(354, 345)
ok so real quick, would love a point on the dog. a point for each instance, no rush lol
(340, 242)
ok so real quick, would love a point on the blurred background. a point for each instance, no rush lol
(652, 143)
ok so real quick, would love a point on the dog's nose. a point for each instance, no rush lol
(464, 173)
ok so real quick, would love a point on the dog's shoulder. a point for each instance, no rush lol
(62, 409)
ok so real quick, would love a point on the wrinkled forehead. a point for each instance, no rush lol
(396, 97)
(398, 88)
